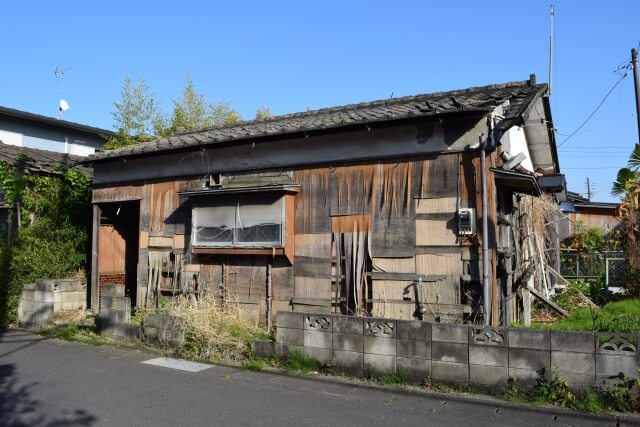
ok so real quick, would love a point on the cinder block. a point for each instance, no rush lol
(290, 336)
(284, 350)
(116, 316)
(317, 322)
(488, 355)
(449, 352)
(576, 380)
(453, 372)
(317, 339)
(151, 334)
(112, 290)
(380, 345)
(379, 364)
(45, 285)
(414, 368)
(489, 375)
(615, 365)
(352, 325)
(579, 363)
(348, 361)
(170, 322)
(414, 330)
(28, 294)
(347, 342)
(290, 320)
(450, 333)
(385, 328)
(153, 320)
(524, 358)
(322, 355)
(263, 348)
(528, 338)
(413, 349)
(582, 342)
(121, 303)
(106, 302)
(524, 378)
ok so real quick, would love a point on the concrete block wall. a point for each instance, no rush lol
(462, 354)
(163, 329)
(115, 314)
(41, 300)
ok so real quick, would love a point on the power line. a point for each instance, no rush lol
(596, 110)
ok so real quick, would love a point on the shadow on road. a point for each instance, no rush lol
(17, 407)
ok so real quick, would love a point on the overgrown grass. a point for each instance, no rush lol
(299, 363)
(215, 332)
(620, 316)
(557, 392)
(75, 332)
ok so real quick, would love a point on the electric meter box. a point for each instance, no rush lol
(466, 222)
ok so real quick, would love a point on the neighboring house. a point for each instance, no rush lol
(582, 212)
(30, 130)
(368, 209)
(28, 161)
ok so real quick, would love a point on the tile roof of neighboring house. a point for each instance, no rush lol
(10, 112)
(32, 160)
(479, 99)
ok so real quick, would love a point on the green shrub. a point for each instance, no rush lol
(298, 362)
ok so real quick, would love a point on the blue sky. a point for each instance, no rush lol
(290, 55)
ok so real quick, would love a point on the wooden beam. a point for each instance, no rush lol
(548, 302)
(94, 302)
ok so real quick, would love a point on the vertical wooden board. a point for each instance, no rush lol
(436, 232)
(111, 249)
(390, 289)
(302, 308)
(311, 287)
(395, 265)
(442, 175)
(313, 245)
(393, 311)
(438, 205)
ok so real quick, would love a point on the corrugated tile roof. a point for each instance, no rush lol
(32, 160)
(519, 95)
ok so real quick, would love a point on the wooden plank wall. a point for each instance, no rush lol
(112, 250)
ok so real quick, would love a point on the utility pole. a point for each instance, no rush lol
(588, 190)
(636, 81)
(552, 13)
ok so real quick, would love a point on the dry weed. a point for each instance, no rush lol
(215, 331)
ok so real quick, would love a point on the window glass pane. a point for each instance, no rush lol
(263, 233)
(259, 209)
(214, 223)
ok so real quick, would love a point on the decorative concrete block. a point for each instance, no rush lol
(352, 325)
(449, 352)
(384, 328)
(317, 339)
(450, 333)
(375, 364)
(349, 342)
(579, 363)
(413, 349)
(488, 336)
(290, 320)
(527, 338)
(380, 345)
(414, 368)
(348, 361)
(524, 358)
(488, 355)
(452, 372)
(413, 330)
(582, 342)
(317, 322)
(489, 375)
(290, 336)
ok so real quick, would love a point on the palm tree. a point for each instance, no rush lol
(628, 178)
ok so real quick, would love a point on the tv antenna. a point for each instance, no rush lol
(63, 105)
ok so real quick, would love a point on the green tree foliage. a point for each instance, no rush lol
(264, 113)
(52, 240)
(192, 111)
(138, 117)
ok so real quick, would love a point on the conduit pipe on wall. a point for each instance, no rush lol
(485, 235)
(269, 285)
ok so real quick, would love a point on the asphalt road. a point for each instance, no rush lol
(56, 383)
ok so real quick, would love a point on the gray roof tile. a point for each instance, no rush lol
(519, 95)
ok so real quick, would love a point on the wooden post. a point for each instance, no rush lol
(94, 296)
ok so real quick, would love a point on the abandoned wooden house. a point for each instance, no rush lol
(371, 209)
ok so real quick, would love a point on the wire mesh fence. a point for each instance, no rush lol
(607, 266)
